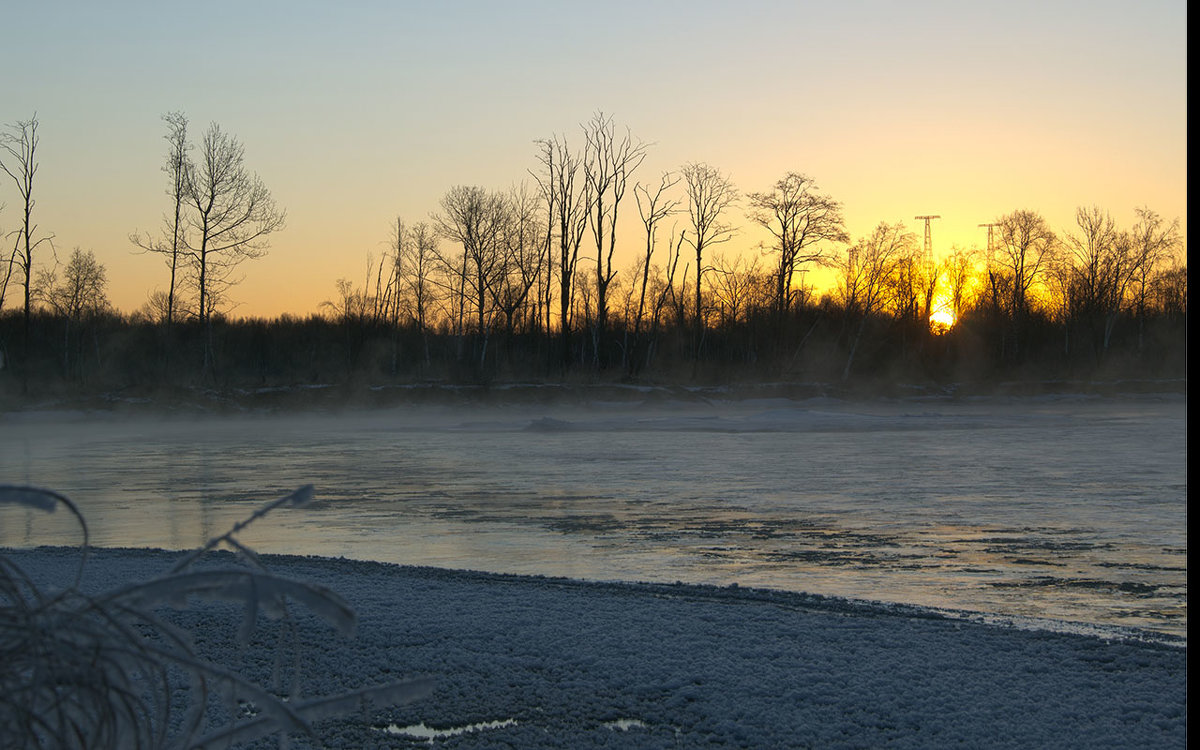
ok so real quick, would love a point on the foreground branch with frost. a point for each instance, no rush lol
(81, 670)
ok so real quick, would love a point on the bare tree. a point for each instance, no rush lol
(1169, 290)
(568, 202)
(154, 309)
(417, 279)
(669, 296)
(231, 214)
(6, 272)
(1026, 247)
(904, 290)
(18, 159)
(81, 290)
(1153, 241)
(662, 293)
(957, 268)
(388, 293)
(608, 164)
(474, 218)
(351, 306)
(802, 221)
(709, 194)
(178, 167)
(76, 296)
(9, 265)
(866, 274)
(520, 263)
(1101, 266)
(736, 285)
(652, 209)
(913, 288)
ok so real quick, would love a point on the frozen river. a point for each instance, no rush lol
(1069, 508)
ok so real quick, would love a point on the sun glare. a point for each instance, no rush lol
(941, 321)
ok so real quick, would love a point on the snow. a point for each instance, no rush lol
(422, 732)
(537, 662)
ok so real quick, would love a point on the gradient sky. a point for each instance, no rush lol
(354, 115)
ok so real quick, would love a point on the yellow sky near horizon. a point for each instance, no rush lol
(353, 117)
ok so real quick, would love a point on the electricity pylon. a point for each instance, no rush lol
(928, 236)
(989, 245)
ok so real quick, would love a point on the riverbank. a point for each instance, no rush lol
(196, 401)
(532, 662)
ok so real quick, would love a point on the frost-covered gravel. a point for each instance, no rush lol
(532, 662)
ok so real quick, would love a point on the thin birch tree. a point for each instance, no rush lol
(18, 159)
(231, 216)
(172, 246)
(609, 162)
(710, 193)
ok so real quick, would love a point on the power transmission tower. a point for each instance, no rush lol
(928, 236)
(989, 244)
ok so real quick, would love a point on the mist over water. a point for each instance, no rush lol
(1056, 507)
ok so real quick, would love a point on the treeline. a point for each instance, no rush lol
(814, 340)
(523, 284)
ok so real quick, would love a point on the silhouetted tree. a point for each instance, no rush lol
(652, 209)
(709, 194)
(81, 290)
(417, 280)
(520, 258)
(608, 163)
(1169, 291)
(737, 284)
(76, 296)
(866, 274)
(958, 270)
(18, 159)
(803, 222)
(475, 218)
(231, 214)
(1026, 246)
(1153, 240)
(154, 309)
(1098, 266)
(568, 202)
(178, 167)
(7, 270)
(350, 306)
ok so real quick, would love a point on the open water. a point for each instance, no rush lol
(1067, 507)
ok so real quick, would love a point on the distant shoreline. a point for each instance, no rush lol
(324, 396)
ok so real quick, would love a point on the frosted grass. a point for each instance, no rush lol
(535, 662)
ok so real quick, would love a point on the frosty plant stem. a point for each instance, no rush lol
(93, 671)
(48, 501)
(298, 499)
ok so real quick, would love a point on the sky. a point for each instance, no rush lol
(356, 113)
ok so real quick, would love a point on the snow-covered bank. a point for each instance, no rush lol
(535, 662)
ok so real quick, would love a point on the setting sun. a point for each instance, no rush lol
(941, 321)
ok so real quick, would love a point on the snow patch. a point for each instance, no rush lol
(624, 725)
(422, 732)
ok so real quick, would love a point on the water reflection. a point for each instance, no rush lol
(1072, 509)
